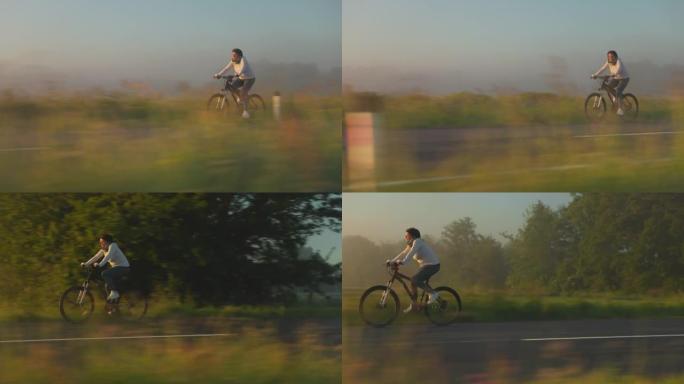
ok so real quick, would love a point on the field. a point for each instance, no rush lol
(115, 143)
(525, 142)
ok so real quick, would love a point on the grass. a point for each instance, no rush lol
(165, 309)
(468, 110)
(496, 307)
(128, 143)
(525, 142)
(257, 356)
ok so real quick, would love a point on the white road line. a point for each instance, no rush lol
(23, 149)
(602, 337)
(629, 134)
(396, 183)
(197, 335)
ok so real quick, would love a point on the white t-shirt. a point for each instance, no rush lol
(114, 256)
(242, 69)
(617, 70)
(421, 253)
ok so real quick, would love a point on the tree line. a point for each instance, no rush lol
(599, 242)
(208, 249)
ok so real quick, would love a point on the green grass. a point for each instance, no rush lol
(167, 309)
(258, 355)
(477, 146)
(127, 143)
(468, 110)
(498, 307)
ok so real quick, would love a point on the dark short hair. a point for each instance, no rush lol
(238, 51)
(613, 53)
(107, 237)
(413, 232)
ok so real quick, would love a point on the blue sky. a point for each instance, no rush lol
(446, 44)
(383, 217)
(162, 40)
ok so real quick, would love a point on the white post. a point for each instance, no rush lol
(359, 143)
(276, 105)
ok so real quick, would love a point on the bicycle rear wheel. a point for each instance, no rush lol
(132, 305)
(446, 309)
(595, 107)
(630, 105)
(379, 306)
(218, 104)
(75, 305)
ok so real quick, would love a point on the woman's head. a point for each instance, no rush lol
(612, 57)
(105, 240)
(236, 55)
(411, 234)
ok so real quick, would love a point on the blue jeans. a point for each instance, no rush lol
(113, 276)
(423, 275)
(244, 86)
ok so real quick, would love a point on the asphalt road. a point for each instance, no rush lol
(517, 351)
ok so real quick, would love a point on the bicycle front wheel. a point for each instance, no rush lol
(133, 305)
(76, 305)
(630, 105)
(595, 107)
(379, 306)
(446, 309)
(218, 104)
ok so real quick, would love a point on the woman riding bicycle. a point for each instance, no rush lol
(244, 77)
(427, 261)
(620, 77)
(119, 267)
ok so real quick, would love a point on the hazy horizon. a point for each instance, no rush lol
(383, 217)
(76, 44)
(445, 46)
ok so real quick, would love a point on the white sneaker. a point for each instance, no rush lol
(409, 309)
(620, 112)
(113, 295)
(433, 297)
(245, 115)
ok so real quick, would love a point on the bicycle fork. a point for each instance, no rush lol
(82, 293)
(383, 298)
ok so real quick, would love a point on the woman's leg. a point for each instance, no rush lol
(619, 90)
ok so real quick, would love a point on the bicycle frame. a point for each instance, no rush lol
(609, 90)
(396, 275)
(86, 285)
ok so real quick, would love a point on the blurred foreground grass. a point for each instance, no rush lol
(256, 355)
(127, 143)
(497, 307)
(525, 142)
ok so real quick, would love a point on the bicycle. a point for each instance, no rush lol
(379, 305)
(77, 303)
(595, 105)
(219, 102)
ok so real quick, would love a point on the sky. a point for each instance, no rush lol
(442, 46)
(160, 41)
(326, 241)
(383, 217)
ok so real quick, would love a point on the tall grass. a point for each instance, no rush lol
(468, 110)
(127, 143)
(525, 142)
